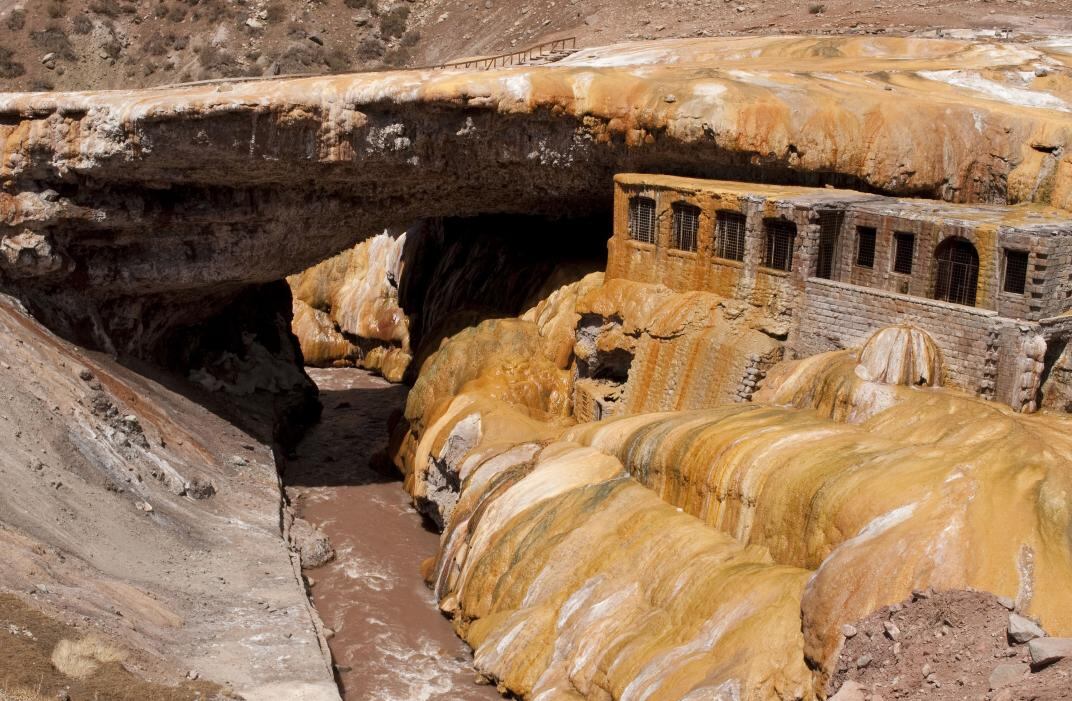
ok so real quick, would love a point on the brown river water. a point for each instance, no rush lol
(391, 643)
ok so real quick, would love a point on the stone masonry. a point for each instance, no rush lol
(828, 294)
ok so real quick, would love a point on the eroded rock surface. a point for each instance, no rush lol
(848, 462)
(190, 192)
(346, 309)
(142, 517)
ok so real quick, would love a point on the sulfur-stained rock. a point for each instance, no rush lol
(608, 585)
(901, 355)
(346, 309)
(191, 191)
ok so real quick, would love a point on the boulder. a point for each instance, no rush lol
(1045, 651)
(1006, 673)
(1022, 630)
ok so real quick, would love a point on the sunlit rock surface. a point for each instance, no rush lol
(132, 511)
(901, 355)
(571, 581)
(346, 309)
(184, 194)
(850, 480)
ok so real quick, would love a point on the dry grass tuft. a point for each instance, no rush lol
(21, 694)
(83, 658)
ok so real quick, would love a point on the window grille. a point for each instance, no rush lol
(729, 231)
(958, 272)
(1015, 271)
(780, 237)
(830, 221)
(642, 219)
(905, 249)
(865, 246)
(686, 226)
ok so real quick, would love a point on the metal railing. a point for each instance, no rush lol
(515, 58)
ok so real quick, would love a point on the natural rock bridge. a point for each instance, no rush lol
(186, 194)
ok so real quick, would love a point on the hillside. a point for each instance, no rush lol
(95, 44)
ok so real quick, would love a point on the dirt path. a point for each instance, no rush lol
(390, 643)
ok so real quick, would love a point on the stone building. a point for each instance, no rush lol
(827, 267)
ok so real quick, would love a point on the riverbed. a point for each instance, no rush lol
(390, 641)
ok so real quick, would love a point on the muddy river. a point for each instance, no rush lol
(390, 643)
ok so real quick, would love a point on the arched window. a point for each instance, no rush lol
(642, 219)
(686, 226)
(781, 235)
(958, 271)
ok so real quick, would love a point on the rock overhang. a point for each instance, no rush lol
(199, 188)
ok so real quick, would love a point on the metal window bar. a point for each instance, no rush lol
(686, 227)
(905, 251)
(780, 237)
(830, 221)
(865, 246)
(1015, 272)
(730, 232)
(958, 273)
(642, 219)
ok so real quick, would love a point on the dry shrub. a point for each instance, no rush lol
(393, 22)
(83, 658)
(21, 694)
(53, 39)
(109, 8)
(337, 60)
(9, 67)
(16, 20)
(370, 48)
(277, 12)
(82, 24)
(397, 57)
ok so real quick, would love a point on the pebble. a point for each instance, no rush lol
(892, 631)
(848, 631)
(863, 661)
(1006, 602)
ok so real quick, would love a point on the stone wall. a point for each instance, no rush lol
(981, 351)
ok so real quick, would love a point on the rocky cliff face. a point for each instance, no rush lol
(182, 195)
(346, 309)
(133, 513)
(389, 299)
(557, 566)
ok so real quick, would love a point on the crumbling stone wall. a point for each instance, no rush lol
(983, 352)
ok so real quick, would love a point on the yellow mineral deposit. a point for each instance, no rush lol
(852, 479)
(353, 297)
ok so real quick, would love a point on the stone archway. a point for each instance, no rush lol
(957, 277)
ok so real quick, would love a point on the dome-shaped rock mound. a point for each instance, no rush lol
(901, 355)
